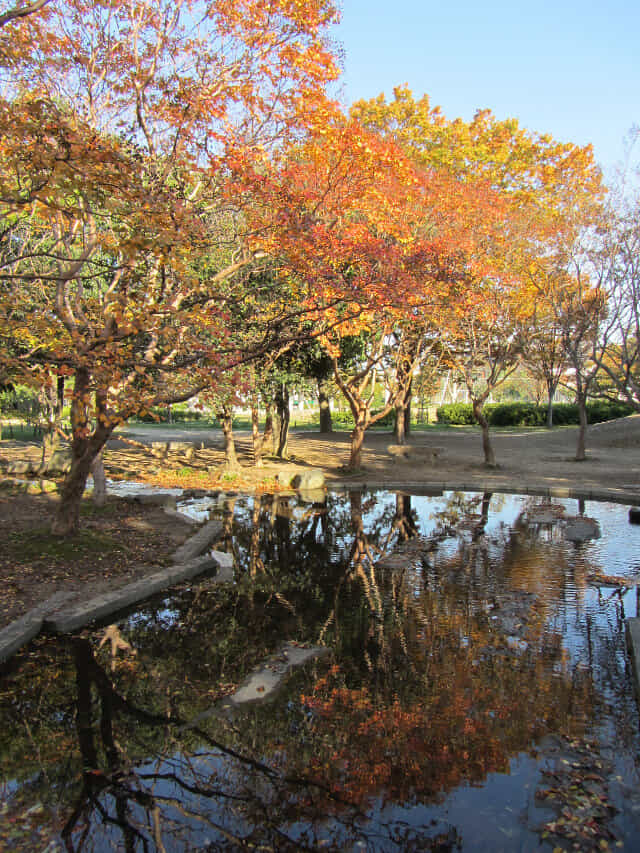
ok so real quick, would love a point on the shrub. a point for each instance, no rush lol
(606, 410)
(516, 414)
(342, 419)
(458, 414)
(528, 414)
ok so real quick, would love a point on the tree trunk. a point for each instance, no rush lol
(85, 446)
(256, 438)
(357, 440)
(267, 437)
(226, 420)
(99, 480)
(400, 431)
(67, 518)
(284, 416)
(551, 392)
(581, 452)
(53, 404)
(403, 410)
(326, 425)
(550, 413)
(478, 413)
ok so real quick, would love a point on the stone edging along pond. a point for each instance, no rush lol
(52, 615)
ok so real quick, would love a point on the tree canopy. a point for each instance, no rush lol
(179, 196)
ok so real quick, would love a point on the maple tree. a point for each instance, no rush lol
(544, 355)
(532, 195)
(616, 269)
(121, 247)
(371, 243)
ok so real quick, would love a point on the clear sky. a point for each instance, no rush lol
(568, 68)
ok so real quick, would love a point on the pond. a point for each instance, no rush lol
(475, 695)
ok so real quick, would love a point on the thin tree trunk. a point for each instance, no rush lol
(581, 448)
(400, 430)
(99, 480)
(357, 440)
(284, 416)
(326, 425)
(226, 420)
(267, 437)
(551, 392)
(550, 413)
(256, 438)
(403, 412)
(487, 448)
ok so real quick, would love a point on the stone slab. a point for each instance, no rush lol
(102, 606)
(18, 633)
(196, 544)
(265, 680)
(181, 516)
(633, 644)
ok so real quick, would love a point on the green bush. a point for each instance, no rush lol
(516, 414)
(389, 420)
(528, 414)
(179, 415)
(606, 410)
(342, 419)
(458, 414)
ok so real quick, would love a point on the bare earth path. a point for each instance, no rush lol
(535, 457)
(536, 461)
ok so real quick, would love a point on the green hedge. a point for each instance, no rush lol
(528, 414)
(458, 414)
(345, 420)
(179, 415)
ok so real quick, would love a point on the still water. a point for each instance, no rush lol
(476, 694)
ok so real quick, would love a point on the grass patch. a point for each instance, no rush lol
(42, 545)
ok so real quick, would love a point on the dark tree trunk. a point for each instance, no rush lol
(403, 408)
(400, 430)
(283, 417)
(487, 448)
(581, 448)
(267, 437)
(551, 392)
(85, 446)
(326, 426)
(404, 518)
(256, 438)
(357, 440)
(54, 406)
(67, 518)
(226, 420)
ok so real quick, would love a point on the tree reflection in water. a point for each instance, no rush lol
(457, 645)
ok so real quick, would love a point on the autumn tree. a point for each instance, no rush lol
(544, 354)
(373, 242)
(530, 191)
(118, 136)
(616, 262)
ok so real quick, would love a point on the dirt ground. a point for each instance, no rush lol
(128, 539)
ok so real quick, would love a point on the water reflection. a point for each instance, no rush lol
(466, 632)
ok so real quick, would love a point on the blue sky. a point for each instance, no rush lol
(571, 69)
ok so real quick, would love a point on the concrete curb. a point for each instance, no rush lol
(197, 543)
(105, 605)
(21, 631)
(49, 616)
(633, 644)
